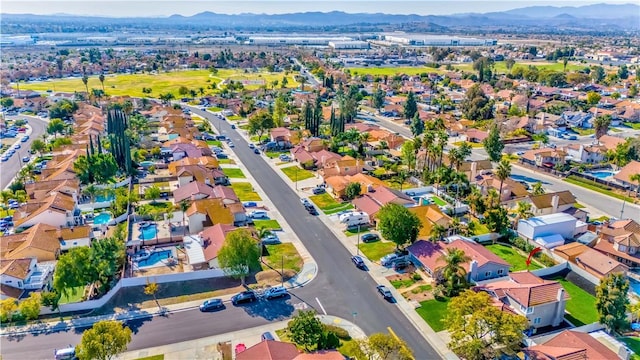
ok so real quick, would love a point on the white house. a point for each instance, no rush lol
(76, 236)
(548, 226)
(58, 209)
(18, 275)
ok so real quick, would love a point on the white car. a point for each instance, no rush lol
(231, 145)
(251, 146)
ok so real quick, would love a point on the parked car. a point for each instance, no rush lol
(4, 158)
(389, 259)
(244, 297)
(386, 293)
(233, 126)
(256, 151)
(68, 353)
(258, 214)
(231, 144)
(212, 304)
(401, 265)
(25, 138)
(275, 292)
(26, 159)
(284, 158)
(311, 209)
(370, 237)
(249, 204)
(319, 190)
(358, 261)
(270, 239)
(266, 337)
(305, 202)
(252, 146)
(222, 156)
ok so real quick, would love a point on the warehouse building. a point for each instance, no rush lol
(435, 40)
(348, 45)
(294, 40)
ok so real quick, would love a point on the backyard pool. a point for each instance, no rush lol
(601, 174)
(148, 232)
(634, 285)
(103, 198)
(102, 218)
(146, 164)
(428, 200)
(154, 258)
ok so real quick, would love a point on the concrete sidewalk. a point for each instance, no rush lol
(376, 271)
(205, 348)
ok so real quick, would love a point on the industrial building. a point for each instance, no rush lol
(294, 40)
(434, 40)
(348, 45)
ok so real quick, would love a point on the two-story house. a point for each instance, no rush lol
(344, 166)
(549, 203)
(372, 201)
(620, 240)
(546, 157)
(593, 261)
(189, 173)
(579, 119)
(511, 189)
(542, 302)
(336, 185)
(572, 345)
(483, 265)
(207, 212)
(624, 175)
(40, 241)
(19, 275)
(57, 209)
(589, 154)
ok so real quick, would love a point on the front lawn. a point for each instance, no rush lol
(226, 161)
(281, 255)
(234, 117)
(217, 143)
(436, 200)
(234, 173)
(375, 250)
(214, 109)
(267, 224)
(363, 229)
(295, 173)
(71, 297)
(245, 191)
(328, 204)
(634, 126)
(513, 257)
(434, 312)
(274, 154)
(583, 132)
(634, 344)
(582, 305)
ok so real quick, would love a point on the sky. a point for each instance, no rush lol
(163, 8)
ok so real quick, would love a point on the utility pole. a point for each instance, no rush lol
(358, 245)
(282, 270)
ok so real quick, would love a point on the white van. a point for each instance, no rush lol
(355, 219)
(65, 354)
(258, 214)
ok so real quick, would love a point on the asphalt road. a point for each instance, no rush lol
(10, 168)
(604, 204)
(339, 288)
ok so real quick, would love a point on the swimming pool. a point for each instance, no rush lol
(155, 258)
(601, 174)
(146, 164)
(102, 218)
(149, 232)
(102, 198)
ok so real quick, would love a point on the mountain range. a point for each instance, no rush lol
(598, 17)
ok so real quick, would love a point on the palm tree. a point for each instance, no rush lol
(453, 272)
(456, 226)
(184, 205)
(400, 178)
(5, 195)
(438, 233)
(476, 201)
(85, 81)
(523, 211)
(101, 78)
(303, 80)
(92, 191)
(502, 173)
(537, 189)
(491, 199)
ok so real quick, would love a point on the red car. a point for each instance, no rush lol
(22, 129)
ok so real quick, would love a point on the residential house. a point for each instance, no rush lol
(58, 209)
(310, 159)
(430, 215)
(40, 242)
(542, 302)
(376, 198)
(336, 185)
(593, 261)
(484, 264)
(179, 151)
(313, 144)
(76, 236)
(624, 175)
(571, 345)
(475, 135)
(610, 142)
(207, 212)
(41, 189)
(277, 350)
(589, 154)
(282, 137)
(621, 240)
(344, 166)
(20, 275)
(550, 230)
(189, 173)
(194, 190)
(579, 119)
(511, 189)
(549, 203)
(545, 157)
(212, 240)
(60, 167)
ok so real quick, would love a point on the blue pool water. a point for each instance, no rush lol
(102, 198)
(102, 218)
(155, 258)
(634, 285)
(422, 201)
(146, 164)
(601, 174)
(149, 232)
(173, 136)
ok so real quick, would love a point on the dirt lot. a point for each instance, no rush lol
(411, 289)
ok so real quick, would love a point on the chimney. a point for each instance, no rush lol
(474, 170)
(555, 200)
(473, 268)
(560, 307)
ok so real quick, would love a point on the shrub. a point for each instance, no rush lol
(329, 340)
(545, 259)
(416, 277)
(338, 331)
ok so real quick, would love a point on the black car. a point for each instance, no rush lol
(212, 304)
(386, 293)
(244, 297)
(311, 209)
(370, 238)
(256, 151)
(319, 190)
(358, 262)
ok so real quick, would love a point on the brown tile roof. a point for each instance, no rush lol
(57, 201)
(568, 342)
(625, 173)
(10, 291)
(217, 212)
(38, 237)
(599, 264)
(40, 189)
(528, 289)
(269, 350)
(321, 355)
(339, 183)
(225, 193)
(76, 232)
(188, 191)
(207, 161)
(570, 250)
(430, 215)
(17, 268)
(430, 253)
(544, 201)
(624, 232)
(213, 238)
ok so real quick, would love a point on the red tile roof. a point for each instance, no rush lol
(527, 289)
(568, 344)
(269, 350)
(213, 238)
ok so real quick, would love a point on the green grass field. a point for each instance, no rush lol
(153, 357)
(375, 250)
(295, 173)
(433, 312)
(596, 187)
(267, 224)
(234, 173)
(634, 344)
(582, 305)
(71, 297)
(132, 84)
(328, 204)
(276, 254)
(511, 255)
(245, 191)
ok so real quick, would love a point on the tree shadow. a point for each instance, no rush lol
(271, 310)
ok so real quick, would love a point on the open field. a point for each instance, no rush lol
(132, 84)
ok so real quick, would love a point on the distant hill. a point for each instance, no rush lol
(595, 18)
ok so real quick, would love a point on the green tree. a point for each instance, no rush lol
(101, 78)
(55, 127)
(152, 193)
(480, 330)
(6, 102)
(593, 98)
(417, 125)
(8, 308)
(438, 232)
(72, 270)
(30, 307)
(635, 177)
(279, 111)
(152, 289)
(103, 341)
(502, 173)
(522, 212)
(378, 98)
(601, 125)
(383, 347)
(476, 105)
(537, 189)
(96, 168)
(623, 72)
(352, 190)
(409, 154)
(305, 329)
(497, 219)
(398, 224)
(493, 145)
(85, 81)
(240, 254)
(612, 302)
(410, 106)
(259, 123)
(597, 74)
(51, 299)
(38, 146)
(633, 90)
(453, 273)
